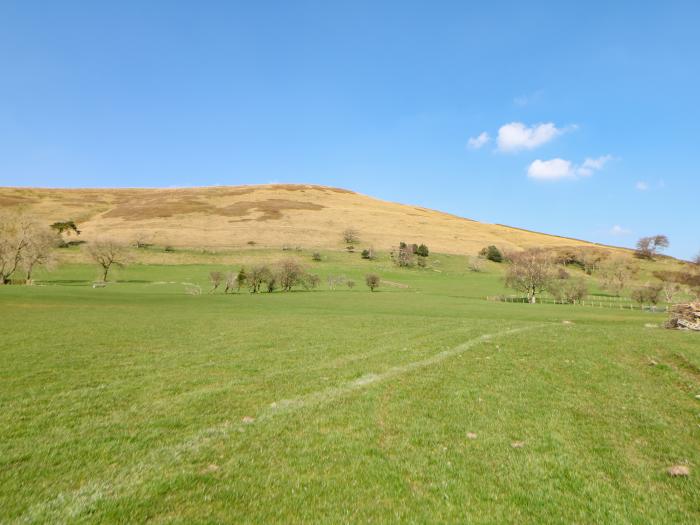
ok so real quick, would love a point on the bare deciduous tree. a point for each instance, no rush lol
(670, 291)
(351, 236)
(649, 293)
(373, 281)
(475, 264)
(648, 247)
(16, 232)
(257, 276)
(107, 253)
(568, 290)
(335, 280)
(616, 273)
(215, 278)
(310, 281)
(529, 272)
(39, 251)
(290, 273)
(231, 282)
(142, 240)
(403, 256)
(591, 260)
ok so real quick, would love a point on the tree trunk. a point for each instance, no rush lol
(104, 274)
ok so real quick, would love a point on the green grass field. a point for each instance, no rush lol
(137, 402)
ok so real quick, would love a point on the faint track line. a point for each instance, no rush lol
(67, 506)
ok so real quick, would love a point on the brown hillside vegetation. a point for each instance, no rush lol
(268, 216)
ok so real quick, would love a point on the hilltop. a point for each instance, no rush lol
(272, 215)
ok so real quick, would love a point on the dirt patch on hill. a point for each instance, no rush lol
(155, 209)
(303, 187)
(270, 209)
(15, 200)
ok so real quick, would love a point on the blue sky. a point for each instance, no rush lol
(590, 108)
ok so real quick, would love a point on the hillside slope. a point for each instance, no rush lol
(269, 215)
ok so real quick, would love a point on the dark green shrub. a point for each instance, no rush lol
(492, 254)
(368, 253)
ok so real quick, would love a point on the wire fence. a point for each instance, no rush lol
(618, 303)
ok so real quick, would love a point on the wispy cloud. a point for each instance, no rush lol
(516, 136)
(590, 165)
(558, 169)
(479, 141)
(619, 231)
(527, 99)
(641, 186)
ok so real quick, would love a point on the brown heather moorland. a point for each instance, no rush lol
(265, 216)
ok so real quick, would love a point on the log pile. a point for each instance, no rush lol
(685, 316)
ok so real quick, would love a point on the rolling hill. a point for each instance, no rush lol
(268, 216)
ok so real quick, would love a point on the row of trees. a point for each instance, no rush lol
(535, 271)
(284, 275)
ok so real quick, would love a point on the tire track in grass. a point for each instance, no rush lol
(68, 506)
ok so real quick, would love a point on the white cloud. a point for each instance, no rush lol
(554, 169)
(557, 169)
(618, 230)
(517, 136)
(642, 186)
(525, 100)
(591, 165)
(480, 141)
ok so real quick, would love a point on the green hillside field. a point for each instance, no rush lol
(420, 402)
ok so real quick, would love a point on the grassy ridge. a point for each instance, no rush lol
(129, 403)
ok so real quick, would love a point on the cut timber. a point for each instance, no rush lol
(685, 316)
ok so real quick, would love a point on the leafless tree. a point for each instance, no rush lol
(648, 247)
(231, 281)
(696, 259)
(289, 274)
(216, 279)
(16, 232)
(403, 256)
(142, 240)
(373, 281)
(670, 291)
(351, 236)
(107, 253)
(616, 273)
(591, 260)
(335, 280)
(475, 264)
(257, 276)
(568, 290)
(529, 272)
(310, 281)
(39, 251)
(649, 293)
